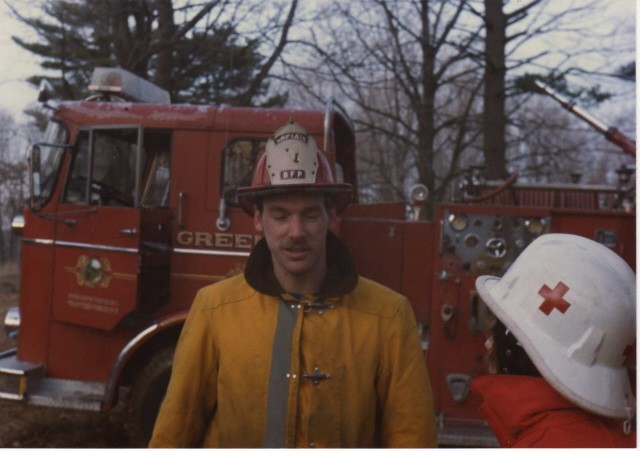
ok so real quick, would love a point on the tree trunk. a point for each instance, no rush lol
(131, 35)
(494, 118)
(166, 31)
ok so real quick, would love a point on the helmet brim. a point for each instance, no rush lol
(342, 193)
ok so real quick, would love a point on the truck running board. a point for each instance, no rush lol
(464, 433)
(466, 437)
(24, 381)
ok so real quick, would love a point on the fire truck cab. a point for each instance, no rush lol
(132, 209)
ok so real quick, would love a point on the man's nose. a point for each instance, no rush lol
(296, 226)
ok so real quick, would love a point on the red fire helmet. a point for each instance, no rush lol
(292, 163)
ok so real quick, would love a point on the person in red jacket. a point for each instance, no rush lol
(563, 337)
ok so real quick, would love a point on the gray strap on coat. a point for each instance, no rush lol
(278, 395)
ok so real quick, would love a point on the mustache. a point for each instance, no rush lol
(296, 243)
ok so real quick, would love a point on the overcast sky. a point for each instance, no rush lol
(18, 64)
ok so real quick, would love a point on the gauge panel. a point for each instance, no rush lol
(488, 244)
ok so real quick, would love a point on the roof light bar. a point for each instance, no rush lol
(108, 80)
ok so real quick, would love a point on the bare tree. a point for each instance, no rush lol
(534, 35)
(403, 68)
(555, 146)
(13, 171)
(430, 83)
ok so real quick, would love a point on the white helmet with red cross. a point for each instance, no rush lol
(571, 304)
(292, 162)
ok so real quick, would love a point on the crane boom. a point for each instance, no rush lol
(612, 134)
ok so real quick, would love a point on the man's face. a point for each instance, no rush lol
(295, 227)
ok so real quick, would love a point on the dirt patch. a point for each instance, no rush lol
(25, 426)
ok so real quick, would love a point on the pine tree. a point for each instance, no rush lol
(196, 63)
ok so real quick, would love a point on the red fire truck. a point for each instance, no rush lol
(132, 209)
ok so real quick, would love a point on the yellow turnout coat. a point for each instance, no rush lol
(351, 372)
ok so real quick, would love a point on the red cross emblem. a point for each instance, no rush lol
(553, 298)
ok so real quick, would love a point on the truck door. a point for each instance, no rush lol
(112, 232)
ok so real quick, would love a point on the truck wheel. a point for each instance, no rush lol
(146, 395)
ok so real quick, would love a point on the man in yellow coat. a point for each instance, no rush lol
(299, 351)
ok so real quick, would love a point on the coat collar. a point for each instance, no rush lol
(341, 279)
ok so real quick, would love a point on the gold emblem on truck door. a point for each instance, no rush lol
(93, 272)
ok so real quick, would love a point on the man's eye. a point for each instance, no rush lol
(279, 215)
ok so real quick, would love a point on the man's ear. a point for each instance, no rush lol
(257, 219)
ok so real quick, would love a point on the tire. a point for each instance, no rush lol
(146, 395)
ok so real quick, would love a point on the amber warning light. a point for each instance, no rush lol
(123, 83)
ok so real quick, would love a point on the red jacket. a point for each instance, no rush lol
(526, 411)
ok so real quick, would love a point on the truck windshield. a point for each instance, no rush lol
(114, 167)
(46, 157)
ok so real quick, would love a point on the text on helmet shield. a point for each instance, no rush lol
(292, 135)
(292, 174)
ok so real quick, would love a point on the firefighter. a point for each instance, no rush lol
(299, 351)
(565, 328)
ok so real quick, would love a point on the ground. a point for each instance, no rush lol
(25, 426)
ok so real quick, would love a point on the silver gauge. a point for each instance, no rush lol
(458, 222)
(496, 247)
(535, 226)
(471, 240)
